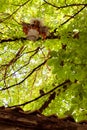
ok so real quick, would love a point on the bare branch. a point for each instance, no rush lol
(50, 91)
(36, 68)
(15, 11)
(65, 6)
(12, 39)
(46, 103)
(72, 16)
(35, 52)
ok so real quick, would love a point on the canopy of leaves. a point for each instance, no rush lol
(49, 75)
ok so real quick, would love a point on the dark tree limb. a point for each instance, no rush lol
(50, 91)
(65, 6)
(12, 39)
(72, 16)
(51, 36)
(46, 103)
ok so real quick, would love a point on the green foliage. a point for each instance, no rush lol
(27, 67)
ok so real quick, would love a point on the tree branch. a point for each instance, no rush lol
(15, 11)
(12, 39)
(35, 52)
(51, 36)
(65, 6)
(46, 103)
(26, 76)
(50, 91)
(72, 16)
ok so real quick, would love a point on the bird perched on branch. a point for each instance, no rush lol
(35, 29)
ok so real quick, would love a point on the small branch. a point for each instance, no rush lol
(35, 77)
(65, 6)
(15, 11)
(50, 91)
(12, 61)
(72, 16)
(35, 52)
(36, 68)
(12, 39)
(46, 103)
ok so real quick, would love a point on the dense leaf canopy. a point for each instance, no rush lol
(49, 75)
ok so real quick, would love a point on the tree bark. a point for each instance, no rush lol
(17, 119)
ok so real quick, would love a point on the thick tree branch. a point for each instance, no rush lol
(51, 36)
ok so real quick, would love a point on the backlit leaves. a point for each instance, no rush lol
(28, 68)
